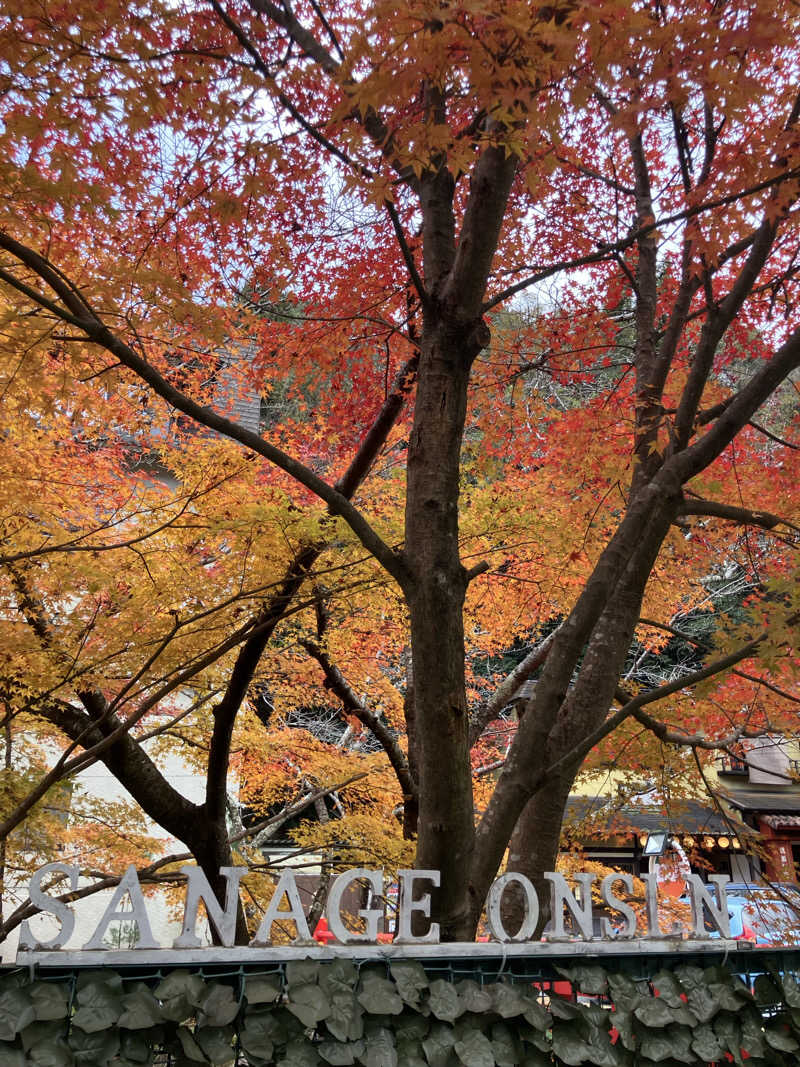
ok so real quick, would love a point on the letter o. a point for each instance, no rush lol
(494, 901)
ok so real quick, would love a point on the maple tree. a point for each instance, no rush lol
(356, 213)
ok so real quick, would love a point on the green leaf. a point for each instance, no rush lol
(410, 1026)
(475, 1050)
(474, 997)
(215, 1041)
(536, 1059)
(410, 978)
(178, 1009)
(727, 1029)
(443, 1001)
(623, 991)
(766, 992)
(262, 990)
(541, 1042)
(535, 1013)
(379, 996)
(137, 1048)
(51, 1054)
(341, 976)
(16, 1012)
(653, 1012)
(604, 1052)
(706, 1045)
(438, 1045)
(309, 1004)
(508, 1001)
(180, 993)
(752, 1034)
(346, 1018)
(569, 1046)
(410, 1054)
(668, 988)
(726, 995)
(340, 1053)
(219, 1006)
(657, 1047)
(50, 1000)
(563, 1009)
(302, 972)
(690, 976)
(36, 1033)
(11, 1057)
(140, 1009)
(591, 980)
(379, 1049)
(506, 1050)
(93, 1048)
(791, 990)
(781, 1039)
(703, 1003)
(191, 1049)
(680, 1041)
(299, 1053)
(99, 1007)
(623, 1021)
(260, 1034)
(111, 979)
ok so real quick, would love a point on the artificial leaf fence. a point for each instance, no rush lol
(400, 1014)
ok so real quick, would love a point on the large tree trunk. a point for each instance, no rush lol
(435, 595)
(528, 802)
(210, 846)
(534, 848)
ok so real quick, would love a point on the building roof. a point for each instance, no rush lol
(756, 800)
(782, 822)
(683, 816)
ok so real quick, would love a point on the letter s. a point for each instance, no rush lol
(40, 899)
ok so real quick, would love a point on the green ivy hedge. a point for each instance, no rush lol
(397, 1015)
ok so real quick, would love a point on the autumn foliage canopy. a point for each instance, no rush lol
(353, 355)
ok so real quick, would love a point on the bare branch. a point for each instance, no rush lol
(508, 687)
(337, 683)
(745, 516)
(649, 696)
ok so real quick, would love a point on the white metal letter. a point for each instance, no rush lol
(223, 920)
(607, 928)
(702, 901)
(494, 913)
(63, 912)
(371, 916)
(581, 912)
(651, 900)
(129, 884)
(287, 886)
(406, 905)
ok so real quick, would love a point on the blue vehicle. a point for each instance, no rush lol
(764, 914)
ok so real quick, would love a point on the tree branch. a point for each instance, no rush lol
(148, 873)
(101, 335)
(738, 411)
(774, 437)
(247, 660)
(337, 683)
(508, 687)
(649, 696)
(416, 280)
(607, 250)
(745, 516)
